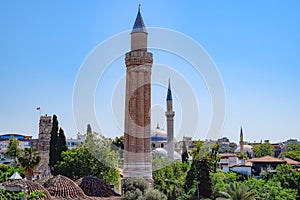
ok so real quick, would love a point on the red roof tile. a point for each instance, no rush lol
(291, 161)
(268, 159)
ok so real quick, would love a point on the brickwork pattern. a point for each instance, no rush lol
(137, 154)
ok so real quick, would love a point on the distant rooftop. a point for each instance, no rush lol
(265, 159)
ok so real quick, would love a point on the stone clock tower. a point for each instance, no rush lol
(137, 148)
(42, 145)
(45, 127)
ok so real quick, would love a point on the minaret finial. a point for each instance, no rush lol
(169, 94)
(139, 26)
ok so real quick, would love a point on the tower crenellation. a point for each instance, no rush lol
(45, 126)
(138, 58)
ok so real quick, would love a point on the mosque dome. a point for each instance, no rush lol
(158, 134)
(247, 149)
(163, 153)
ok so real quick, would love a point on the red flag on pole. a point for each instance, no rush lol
(38, 108)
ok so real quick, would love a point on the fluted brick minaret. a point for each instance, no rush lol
(170, 123)
(241, 141)
(137, 146)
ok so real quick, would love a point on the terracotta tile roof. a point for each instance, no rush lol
(93, 186)
(29, 186)
(226, 155)
(291, 161)
(247, 164)
(42, 180)
(269, 159)
(61, 187)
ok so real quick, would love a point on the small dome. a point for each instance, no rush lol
(159, 134)
(163, 153)
(177, 155)
(225, 139)
(93, 186)
(62, 187)
(247, 148)
(29, 186)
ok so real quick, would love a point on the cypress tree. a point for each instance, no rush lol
(184, 155)
(53, 157)
(89, 129)
(62, 144)
(57, 145)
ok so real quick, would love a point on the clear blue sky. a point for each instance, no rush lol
(255, 45)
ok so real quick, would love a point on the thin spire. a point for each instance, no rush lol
(139, 26)
(169, 95)
(241, 131)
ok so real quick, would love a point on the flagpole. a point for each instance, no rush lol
(39, 109)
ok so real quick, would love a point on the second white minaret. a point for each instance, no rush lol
(170, 123)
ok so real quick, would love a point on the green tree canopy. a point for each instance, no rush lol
(7, 171)
(29, 160)
(266, 189)
(95, 158)
(287, 176)
(270, 189)
(100, 147)
(138, 189)
(265, 149)
(238, 191)
(13, 149)
(170, 179)
(198, 180)
(293, 151)
(118, 145)
(36, 195)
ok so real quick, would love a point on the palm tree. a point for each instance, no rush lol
(29, 160)
(237, 191)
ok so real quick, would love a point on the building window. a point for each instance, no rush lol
(162, 145)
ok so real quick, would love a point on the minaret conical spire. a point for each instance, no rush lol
(169, 94)
(139, 26)
(170, 123)
(241, 141)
